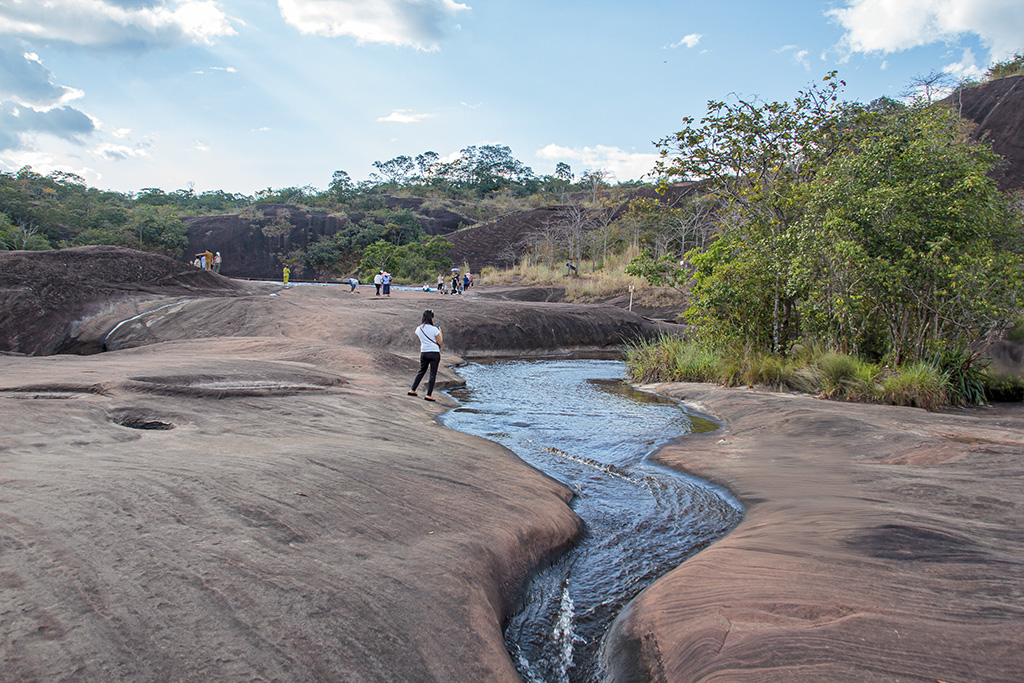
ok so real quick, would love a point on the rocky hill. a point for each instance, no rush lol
(253, 242)
(45, 294)
(997, 108)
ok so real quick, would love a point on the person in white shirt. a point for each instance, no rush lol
(378, 280)
(430, 353)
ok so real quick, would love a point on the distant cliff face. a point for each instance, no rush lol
(998, 109)
(253, 243)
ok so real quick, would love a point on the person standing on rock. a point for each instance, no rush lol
(285, 273)
(216, 263)
(440, 283)
(385, 281)
(430, 353)
(378, 280)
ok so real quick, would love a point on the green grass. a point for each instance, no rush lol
(826, 374)
(922, 385)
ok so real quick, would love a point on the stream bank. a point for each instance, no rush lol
(575, 420)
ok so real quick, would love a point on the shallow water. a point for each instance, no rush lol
(577, 421)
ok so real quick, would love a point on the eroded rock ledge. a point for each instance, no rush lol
(879, 543)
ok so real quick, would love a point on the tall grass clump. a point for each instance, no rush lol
(921, 384)
(670, 359)
(745, 368)
(951, 380)
(842, 376)
(966, 377)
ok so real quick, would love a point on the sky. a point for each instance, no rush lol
(244, 95)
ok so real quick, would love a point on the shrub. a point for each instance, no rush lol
(965, 378)
(1004, 387)
(670, 359)
(1014, 66)
(922, 385)
(765, 369)
(836, 371)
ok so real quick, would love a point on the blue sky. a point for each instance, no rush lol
(242, 95)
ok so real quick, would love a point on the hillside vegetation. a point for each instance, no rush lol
(889, 232)
(873, 232)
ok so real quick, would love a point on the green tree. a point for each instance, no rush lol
(23, 236)
(159, 228)
(341, 187)
(396, 172)
(755, 158)
(908, 249)
(377, 256)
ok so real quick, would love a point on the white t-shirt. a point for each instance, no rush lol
(428, 338)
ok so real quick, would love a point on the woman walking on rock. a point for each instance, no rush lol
(430, 353)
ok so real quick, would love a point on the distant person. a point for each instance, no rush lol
(197, 263)
(426, 287)
(455, 283)
(285, 273)
(353, 282)
(430, 353)
(378, 280)
(385, 283)
(440, 283)
(470, 276)
(465, 282)
(216, 263)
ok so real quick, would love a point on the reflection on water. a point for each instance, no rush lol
(577, 421)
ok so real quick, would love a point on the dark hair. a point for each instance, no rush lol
(428, 317)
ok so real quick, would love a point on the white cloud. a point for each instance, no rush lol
(228, 69)
(110, 152)
(690, 41)
(31, 103)
(966, 69)
(152, 23)
(417, 23)
(895, 25)
(404, 116)
(45, 162)
(121, 133)
(202, 146)
(799, 56)
(24, 79)
(620, 163)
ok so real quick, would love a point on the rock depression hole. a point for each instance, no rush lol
(133, 420)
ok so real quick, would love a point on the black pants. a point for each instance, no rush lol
(428, 359)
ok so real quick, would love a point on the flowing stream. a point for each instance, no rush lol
(577, 421)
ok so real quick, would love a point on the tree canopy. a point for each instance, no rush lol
(871, 228)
